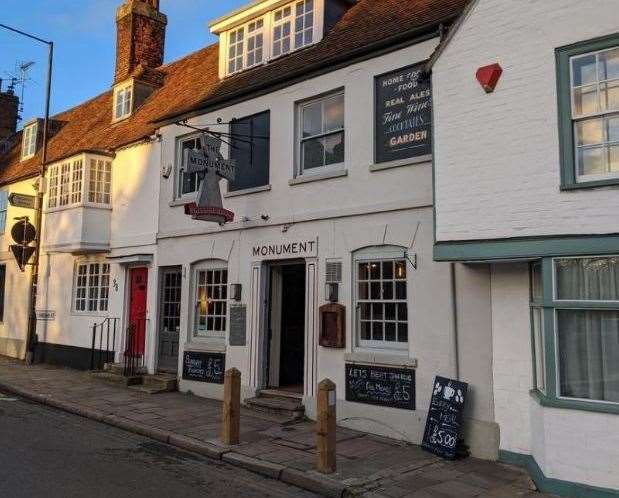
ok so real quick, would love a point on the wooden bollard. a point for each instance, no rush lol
(231, 421)
(325, 428)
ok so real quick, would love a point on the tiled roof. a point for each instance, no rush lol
(192, 83)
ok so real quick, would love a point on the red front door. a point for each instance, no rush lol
(137, 308)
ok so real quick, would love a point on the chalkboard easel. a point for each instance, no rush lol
(444, 422)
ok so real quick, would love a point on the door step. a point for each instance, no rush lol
(117, 368)
(116, 378)
(159, 383)
(278, 404)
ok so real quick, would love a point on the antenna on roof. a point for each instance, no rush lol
(24, 67)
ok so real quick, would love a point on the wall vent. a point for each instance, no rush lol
(334, 272)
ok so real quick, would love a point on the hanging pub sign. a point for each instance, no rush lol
(211, 167)
(403, 114)
(444, 422)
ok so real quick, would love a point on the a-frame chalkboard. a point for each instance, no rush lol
(444, 422)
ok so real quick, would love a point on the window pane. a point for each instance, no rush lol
(364, 290)
(334, 113)
(614, 159)
(609, 96)
(364, 271)
(334, 149)
(400, 270)
(536, 282)
(388, 270)
(609, 64)
(585, 100)
(588, 345)
(377, 331)
(400, 290)
(613, 128)
(390, 332)
(375, 271)
(581, 279)
(583, 70)
(592, 161)
(590, 132)
(312, 119)
(365, 331)
(402, 332)
(313, 153)
(538, 338)
(250, 150)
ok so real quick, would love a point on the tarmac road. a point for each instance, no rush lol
(51, 454)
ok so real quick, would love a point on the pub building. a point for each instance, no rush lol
(307, 199)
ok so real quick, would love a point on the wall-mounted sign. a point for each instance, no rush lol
(22, 200)
(211, 167)
(46, 315)
(238, 325)
(444, 423)
(403, 119)
(204, 367)
(301, 248)
(382, 386)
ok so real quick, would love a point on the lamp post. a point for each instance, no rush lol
(38, 208)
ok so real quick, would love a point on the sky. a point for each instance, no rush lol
(84, 36)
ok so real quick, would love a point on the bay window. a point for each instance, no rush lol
(321, 133)
(588, 78)
(210, 300)
(381, 298)
(581, 304)
(70, 184)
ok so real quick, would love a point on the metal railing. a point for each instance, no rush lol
(135, 343)
(107, 347)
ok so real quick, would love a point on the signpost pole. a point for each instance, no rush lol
(325, 428)
(38, 215)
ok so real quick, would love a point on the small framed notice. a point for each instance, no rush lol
(403, 115)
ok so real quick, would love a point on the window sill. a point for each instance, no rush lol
(592, 184)
(574, 404)
(247, 191)
(401, 162)
(181, 202)
(316, 177)
(211, 345)
(390, 359)
(78, 206)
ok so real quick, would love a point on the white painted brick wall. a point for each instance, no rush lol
(571, 445)
(497, 155)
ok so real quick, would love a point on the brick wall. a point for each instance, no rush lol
(497, 155)
(140, 38)
(8, 114)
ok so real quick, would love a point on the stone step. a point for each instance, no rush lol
(160, 382)
(115, 378)
(276, 393)
(282, 406)
(117, 368)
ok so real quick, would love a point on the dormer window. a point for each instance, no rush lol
(29, 141)
(281, 31)
(123, 101)
(255, 36)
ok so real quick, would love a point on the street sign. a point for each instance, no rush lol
(22, 255)
(22, 200)
(23, 232)
(211, 167)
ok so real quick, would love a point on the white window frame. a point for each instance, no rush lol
(75, 190)
(289, 19)
(305, 27)
(382, 254)
(126, 107)
(4, 208)
(240, 49)
(255, 32)
(600, 114)
(206, 335)
(178, 190)
(299, 139)
(29, 141)
(97, 285)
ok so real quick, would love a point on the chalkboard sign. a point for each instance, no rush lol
(383, 386)
(238, 325)
(403, 119)
(444, 423)
(204, 367)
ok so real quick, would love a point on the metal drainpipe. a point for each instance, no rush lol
(454, 308)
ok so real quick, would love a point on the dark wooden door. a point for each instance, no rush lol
(292, 326)
(169, 319)
(137, 308)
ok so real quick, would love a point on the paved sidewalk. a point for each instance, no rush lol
(367, 465)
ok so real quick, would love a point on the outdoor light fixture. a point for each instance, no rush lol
(236, 292)
(332, 292)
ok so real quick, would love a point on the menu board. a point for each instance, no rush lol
(204, 367)
(383, 386)
(444, 423)
(403, 114)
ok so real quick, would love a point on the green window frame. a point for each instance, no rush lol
(564, 55)
(547, 392)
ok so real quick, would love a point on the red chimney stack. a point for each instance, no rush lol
(9, 105)
(140, 37)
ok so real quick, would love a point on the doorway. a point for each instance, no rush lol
(169, 319)
(286, 326)
(138, 288)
